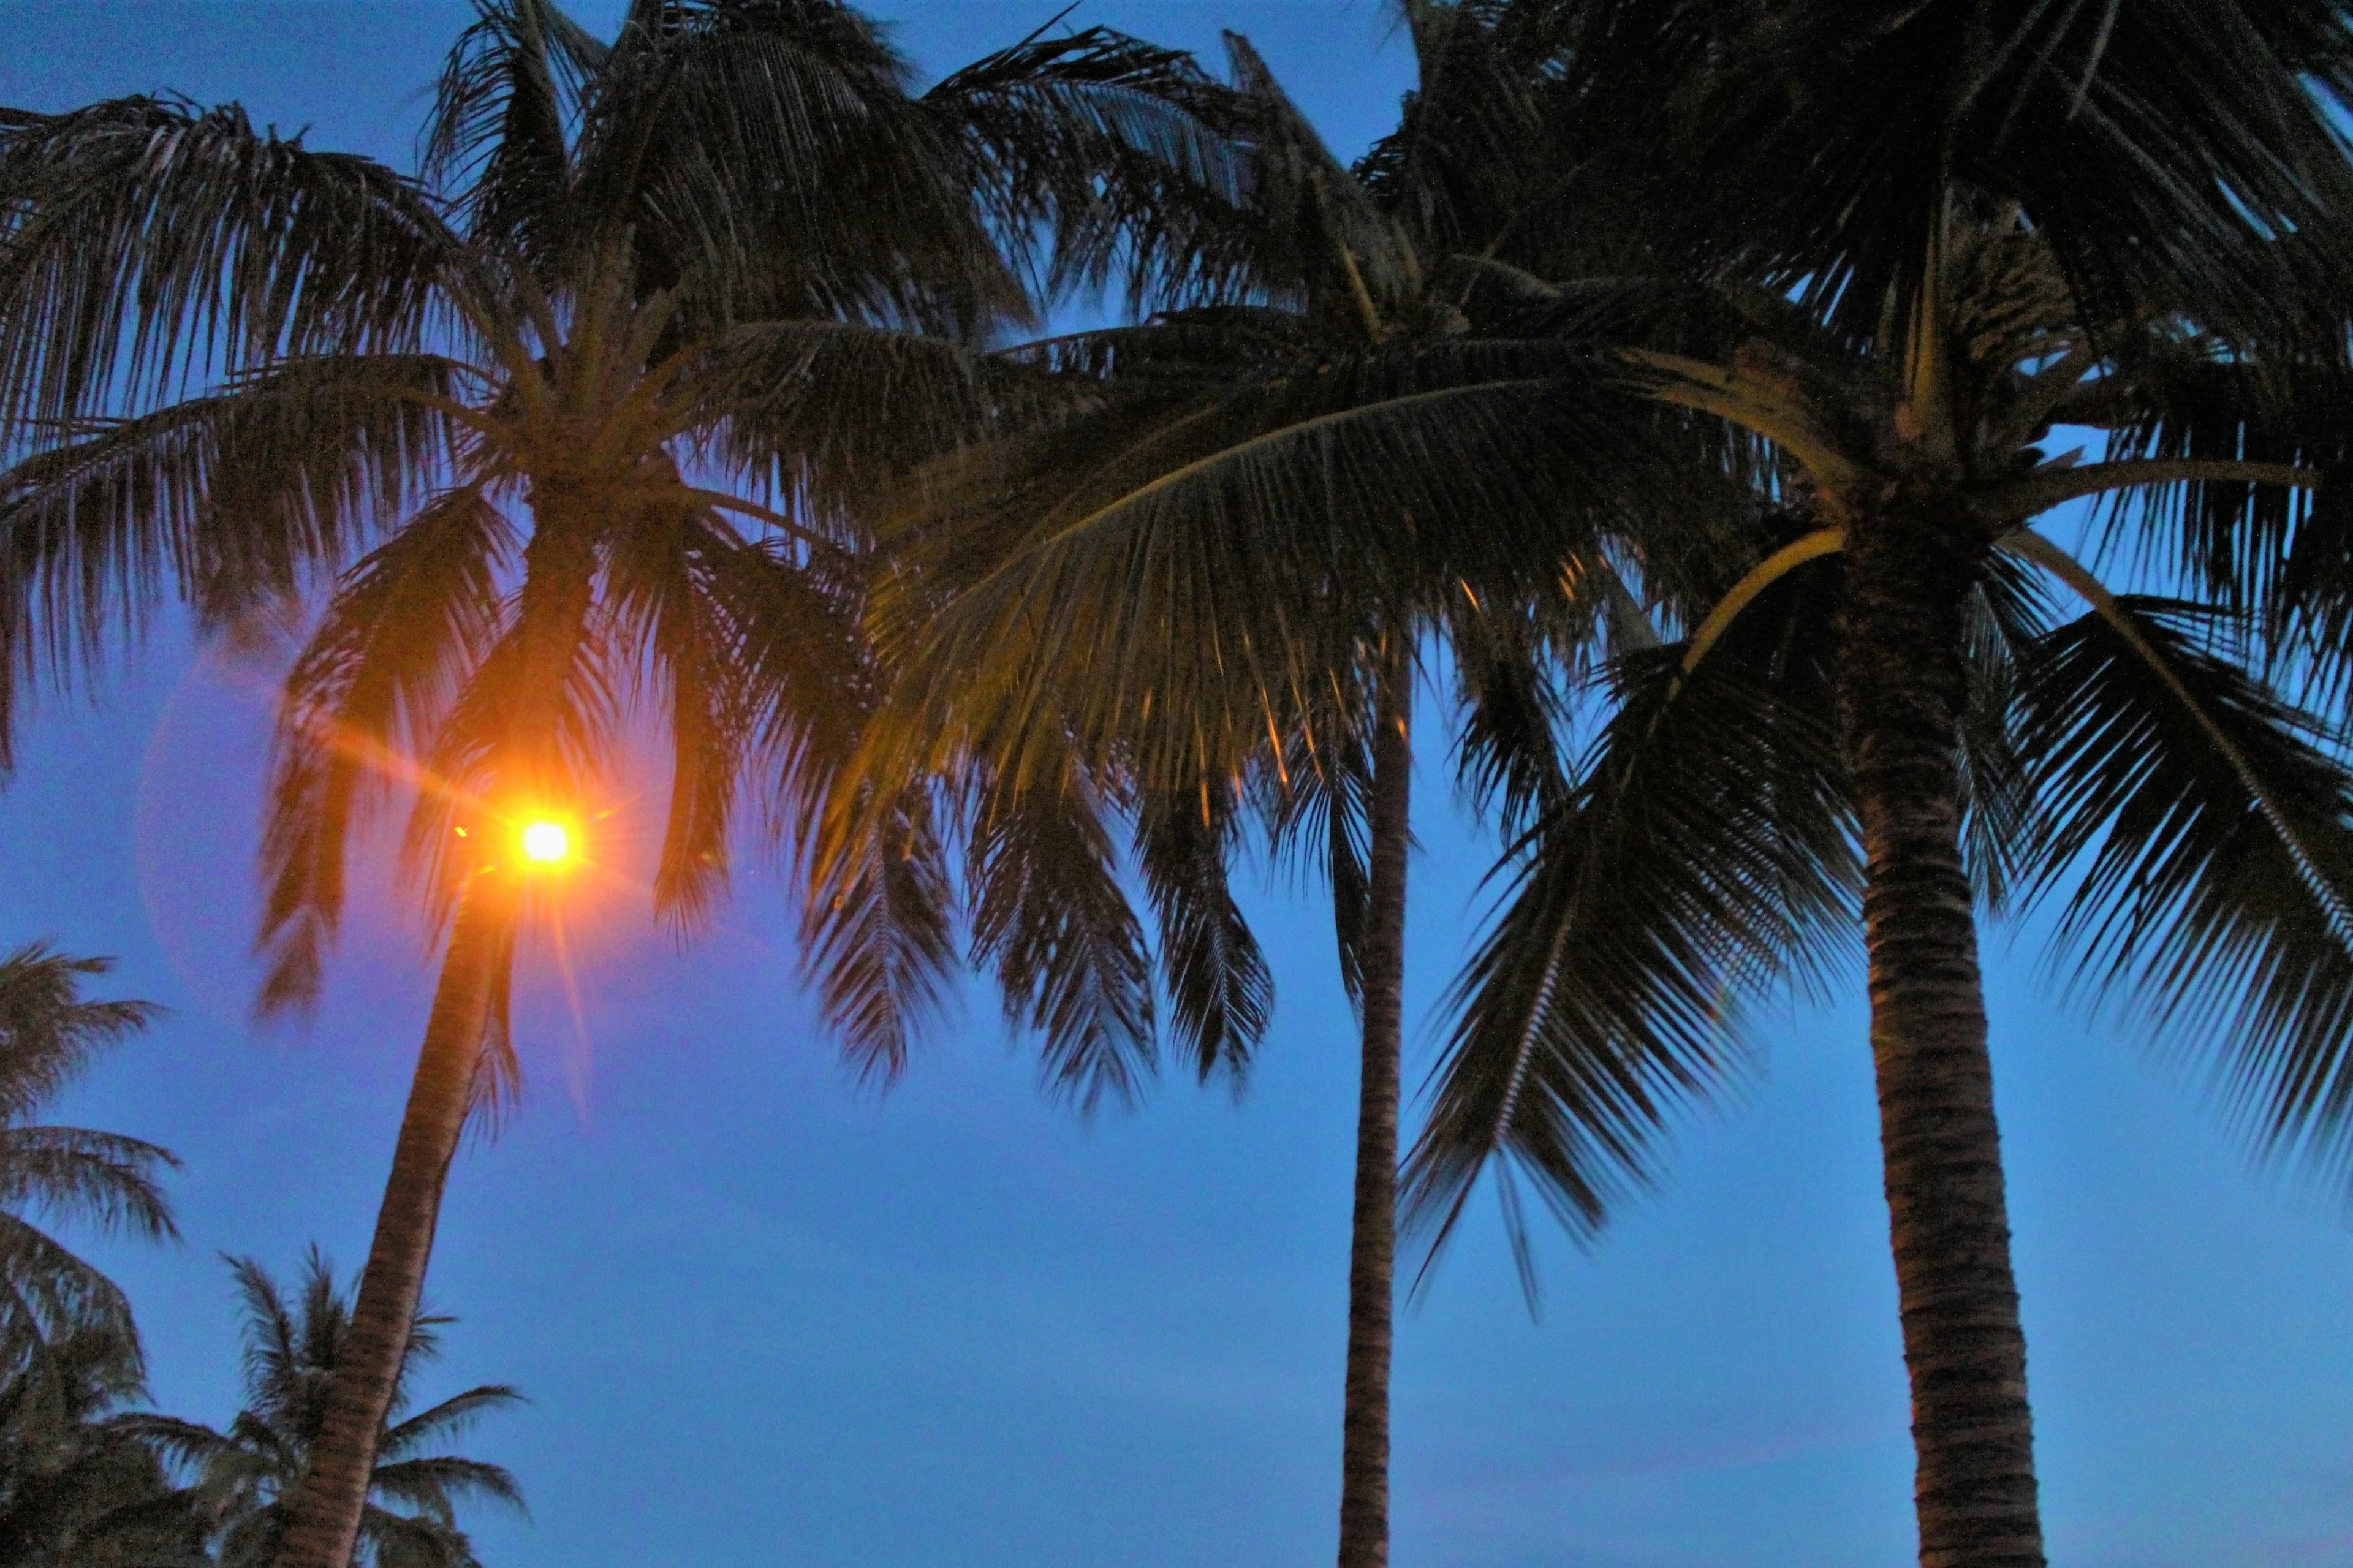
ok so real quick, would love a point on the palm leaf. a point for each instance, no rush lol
(147, 241)
(1705, 856)
(2210, 886)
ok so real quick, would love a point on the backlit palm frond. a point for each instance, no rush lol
(433, 1485)
(294, 1339)
(2173, 399)
(836, 410)
(1267, 525)
(1220, 990)
(1511, 685)
(1319, 809)
(877, 928)
(2002, 617)
(145, 241)
(1321, 235)
(382, 666)
(801, 669)
(1050, 919)
(670, 630)
(1705, 857)
(235, 501)
(2200, 837)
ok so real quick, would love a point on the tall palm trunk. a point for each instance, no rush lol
(325, 1519)
(1372, 1252)
(559, 577)
(1900, 690)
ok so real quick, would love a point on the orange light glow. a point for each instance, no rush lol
(548, 843)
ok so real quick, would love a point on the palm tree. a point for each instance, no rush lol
(80, 1483)
(246, 1476)
(731, 245)
(48, 1037)
(2001, 219)
(1211, 584)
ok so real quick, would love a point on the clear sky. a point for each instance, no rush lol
(768, 1319)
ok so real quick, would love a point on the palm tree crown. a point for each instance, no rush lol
(731, 245)
(294, 1339)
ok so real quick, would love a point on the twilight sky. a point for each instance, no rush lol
(767, 1318)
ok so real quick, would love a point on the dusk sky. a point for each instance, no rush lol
(769, 1316)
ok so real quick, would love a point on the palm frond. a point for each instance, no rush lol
(370, 689)
(235, 501)
(1268, 524)
(49, 1034)
(449, 1418)
(769, 160)
(504, 109)
(1050, 917)
(1121, 151)
(147, 241)
(96, 1178)
(877, 925)
(1220, 990)
(1848, 129)
(1705, 856)
(2208, 836)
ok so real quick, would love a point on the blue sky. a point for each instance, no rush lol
(768, 1317)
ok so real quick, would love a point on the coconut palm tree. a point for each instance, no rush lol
(1951, 233)
(48, 1037)
(732, 245)
(1212, 583)
(80, 1484)
(245, 1477)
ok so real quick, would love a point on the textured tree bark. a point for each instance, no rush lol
(1372, 1254)
(1900, 690)
(323, 1521)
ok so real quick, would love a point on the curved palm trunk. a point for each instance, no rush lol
(559, 574)
(1372, 1252)
(1900, 690)
(323, 1521)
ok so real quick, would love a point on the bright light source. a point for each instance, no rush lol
(546, 842)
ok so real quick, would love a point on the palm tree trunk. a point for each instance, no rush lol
(1372, 1252)
(325, 1519)
(1900, 690)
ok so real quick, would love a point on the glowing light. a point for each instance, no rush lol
(546, 842)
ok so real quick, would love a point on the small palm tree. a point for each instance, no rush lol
(48, 1036)
(81, 1484)
(732, 244)
(245, 1477)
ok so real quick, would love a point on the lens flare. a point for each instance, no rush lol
(546, 842)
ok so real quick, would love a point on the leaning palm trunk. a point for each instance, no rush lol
(323, 1521)
(1901, 686)
(1372, 1258)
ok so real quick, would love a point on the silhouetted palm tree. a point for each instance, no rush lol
(81, 1484)
(1935, 236)
(731, 245)
(1209, 588)
(48, 1036)
(245, 1477)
